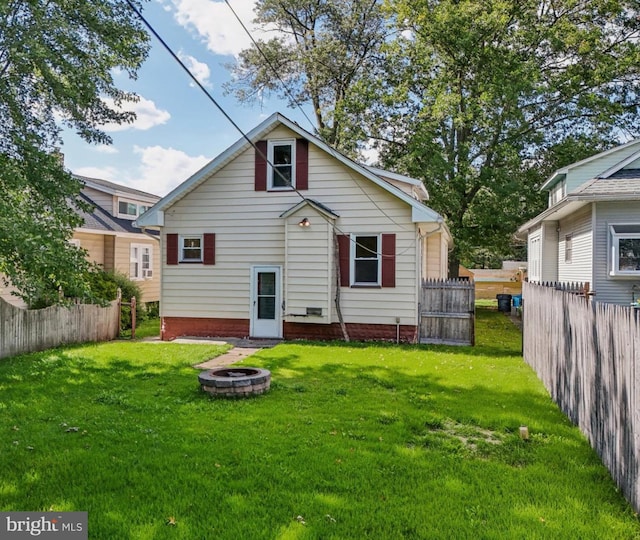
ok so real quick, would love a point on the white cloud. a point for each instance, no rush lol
(216, 24)
(147, 115)
(105, 149)
(200, 70)
(162, 169)
(105, 173)
(369, 155)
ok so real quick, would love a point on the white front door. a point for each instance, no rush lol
(266, 319)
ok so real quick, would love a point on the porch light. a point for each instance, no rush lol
(304, 223)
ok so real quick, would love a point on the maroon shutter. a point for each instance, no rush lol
(302, 164)
(388, 260)
(172, 249)
(261, 166)
(209, 253)
(344, 253)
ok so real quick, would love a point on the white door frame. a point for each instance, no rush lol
(265, 328)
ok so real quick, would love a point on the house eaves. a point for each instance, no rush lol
(116, 189)
(565, 170)
(621, 165)
(417, 185)
(319, 207)
(155, 216)
(595, 190)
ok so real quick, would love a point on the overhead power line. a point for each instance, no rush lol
(168, 48)
(273, 68)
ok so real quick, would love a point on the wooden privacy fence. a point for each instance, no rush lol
(23, 330)
(447, 312)
(587, 354)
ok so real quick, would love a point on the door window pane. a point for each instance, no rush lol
(266, 283)
(267, 307)
(266, 295)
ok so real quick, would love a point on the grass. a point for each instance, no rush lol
(353, 441)
(144, 329)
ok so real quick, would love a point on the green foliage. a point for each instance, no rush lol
(430, 450)
(481, 99)
(56, 65)
(129, 290)
(327, 48)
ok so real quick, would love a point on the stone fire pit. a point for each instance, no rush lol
(235, 381)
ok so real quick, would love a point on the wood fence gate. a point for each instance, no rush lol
(447, 312)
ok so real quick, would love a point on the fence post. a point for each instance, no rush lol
(119, 298)
(133, 317)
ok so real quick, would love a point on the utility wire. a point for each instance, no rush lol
(270, 64)
(166, 46)
(298, 104)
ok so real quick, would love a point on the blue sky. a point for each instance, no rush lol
(178, 129)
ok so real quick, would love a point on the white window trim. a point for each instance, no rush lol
(74, 242)
(568, 248)
(614, 249)
(130, 201)
(181, 240)
(270, 146)
(352, 262)
(534, 257)
(145, 273)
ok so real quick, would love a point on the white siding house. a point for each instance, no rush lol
(591, 233)
(245, 254)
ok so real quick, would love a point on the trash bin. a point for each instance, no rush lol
(517, 300)
(504, 302)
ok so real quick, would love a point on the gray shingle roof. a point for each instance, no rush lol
(111, 186)
(100, 220)
(624, 184)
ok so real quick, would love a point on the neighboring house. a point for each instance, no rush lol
(245, 254)
(110, 238)
(591, 230)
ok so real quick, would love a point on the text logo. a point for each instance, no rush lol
(43, 525)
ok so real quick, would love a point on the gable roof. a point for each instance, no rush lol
(115, 189)
(324, 210)
(557, 175)
(155, 216)
(623, 185)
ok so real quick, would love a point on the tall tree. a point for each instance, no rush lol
(472, 92)
(56, 63)
(321, 50)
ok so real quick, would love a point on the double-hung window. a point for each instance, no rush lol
(625, 250)
(568, 248)
(140, 262)
(365, 260)
(281, 160)
(191, 248)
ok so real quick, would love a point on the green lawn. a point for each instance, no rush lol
(353, 441)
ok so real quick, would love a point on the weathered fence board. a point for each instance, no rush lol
(447, 312)
(586, 354)
(24, 330)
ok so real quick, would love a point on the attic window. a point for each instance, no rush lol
(625, 250)
(281, 164)
(130, 209)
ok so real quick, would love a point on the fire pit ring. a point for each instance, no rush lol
(235, 381)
